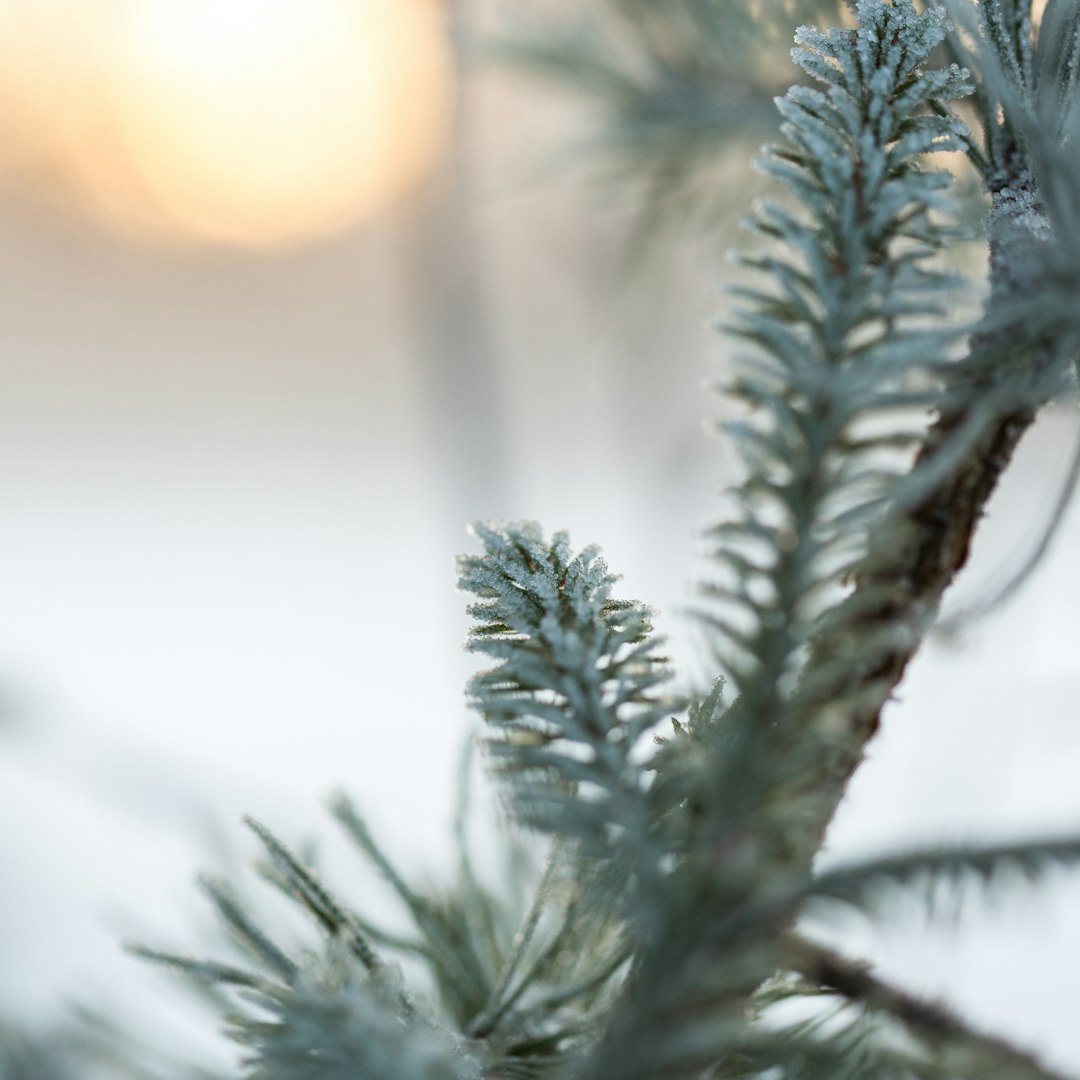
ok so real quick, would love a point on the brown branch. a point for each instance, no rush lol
(956, 1046)
(921, 548)
(853, 670)
(909, 584)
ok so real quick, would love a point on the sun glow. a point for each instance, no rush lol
(257, 122)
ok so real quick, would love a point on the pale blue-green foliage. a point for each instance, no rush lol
(831, 1046)
(1035, 86)
(1056, 134)
(848, 326)
(1029, 107)
(703, 845)
(342, 1010)
(1007, 28)
(513, 994)
(1056, 68)
(21, 1058)
(337, 1021)
(579, 678)
(1052, 136)
(677, 82)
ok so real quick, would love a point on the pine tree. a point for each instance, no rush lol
(663, 940)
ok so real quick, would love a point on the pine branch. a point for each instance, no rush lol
(1016, 363)
(863, 885)
(1018, 576)
(833, 349)
(339, 1022)
(26, 1058)
(578, 681)
(463, 976)
(501, 999)
(327, 1016)
(675, 82)
(250, 935)
(304, 886)
(658, 936)
(1056, 66)
(846, 1049)
(857, 883)
(208, 972)
(956, 1049)
(843, 332)
(86, 1045)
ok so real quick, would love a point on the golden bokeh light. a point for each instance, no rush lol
(252, 122)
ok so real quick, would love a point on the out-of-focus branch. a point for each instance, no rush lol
(957, 1048)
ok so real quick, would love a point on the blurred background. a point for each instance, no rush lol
(290, 292)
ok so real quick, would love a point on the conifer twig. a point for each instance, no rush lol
(313, 895)
(957, 1047)
(907, 580)
(500, 1001)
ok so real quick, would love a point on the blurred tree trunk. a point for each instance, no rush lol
(459, 370)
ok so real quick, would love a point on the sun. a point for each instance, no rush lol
(251, 122)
